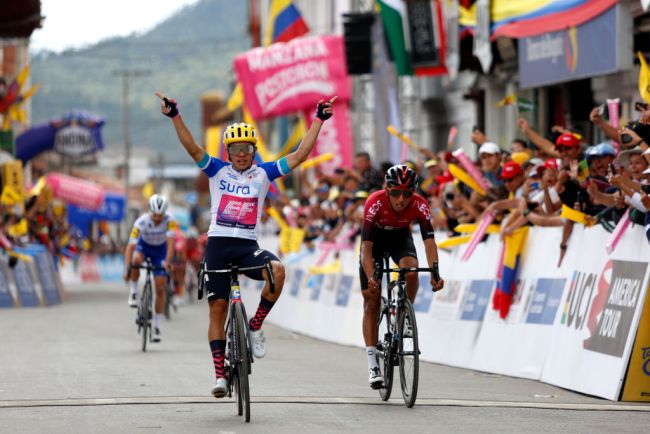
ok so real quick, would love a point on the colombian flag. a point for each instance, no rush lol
(285, 22)
(513, 246)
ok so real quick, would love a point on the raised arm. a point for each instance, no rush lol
(540, 141)
(323, 113)
(596, 118)
(169, 109)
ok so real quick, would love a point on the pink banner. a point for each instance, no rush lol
(618, 232)
(75, 191)
(293, 76)
(478, 235)
(335, 137)
(614, 120)
(471, 169)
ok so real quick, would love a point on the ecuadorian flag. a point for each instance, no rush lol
(513, 247)
(285, 22)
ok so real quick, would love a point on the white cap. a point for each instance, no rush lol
(489, 148)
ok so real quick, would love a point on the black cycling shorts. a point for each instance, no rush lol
(220, 252)
(398, 244)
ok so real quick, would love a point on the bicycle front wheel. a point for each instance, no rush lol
(384, 353)
(243, 362)
(145, 315)
(409, 353)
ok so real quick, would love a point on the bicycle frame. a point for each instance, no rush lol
(391, 345)
(238, 360)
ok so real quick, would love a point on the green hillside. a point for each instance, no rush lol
(187, 54)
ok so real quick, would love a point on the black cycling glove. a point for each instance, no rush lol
(320, 112)
(435, 272)
(173, 110)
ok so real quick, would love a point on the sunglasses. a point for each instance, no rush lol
(406, 194)
(246, 148)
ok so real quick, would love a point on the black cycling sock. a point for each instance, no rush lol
(262, 311)
(217, 348)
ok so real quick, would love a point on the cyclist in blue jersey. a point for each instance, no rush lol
(237, 190)
(152, 237)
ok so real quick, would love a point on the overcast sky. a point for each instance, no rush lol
(76, 23)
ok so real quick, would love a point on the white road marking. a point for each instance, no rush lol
(430, 402)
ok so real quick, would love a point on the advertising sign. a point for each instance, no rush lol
(74, 141)
(596, 47)
(476, 300)
(289, 77)
(637, 383)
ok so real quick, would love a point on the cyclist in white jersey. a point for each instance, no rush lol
(152, 237)
(237, 190)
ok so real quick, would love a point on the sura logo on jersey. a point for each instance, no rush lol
(236, 189)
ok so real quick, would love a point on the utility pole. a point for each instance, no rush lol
(125, 74)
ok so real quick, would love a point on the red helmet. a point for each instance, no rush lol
(401, 177)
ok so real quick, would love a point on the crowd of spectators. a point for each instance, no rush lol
(531, 183)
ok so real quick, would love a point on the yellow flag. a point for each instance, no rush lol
(454, 241)
(644, 79)
(508, 100)
(213, 141)
(261, 146)
(291, 239)
(464, 177)
(10, 196)
(577, 216)
(236, 98)
(22, 77)
(469, 228)
(147, 190)
(296, 136)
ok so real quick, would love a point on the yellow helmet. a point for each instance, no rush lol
(240, 133)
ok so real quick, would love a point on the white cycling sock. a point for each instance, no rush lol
(133, 285)
(372, 357)
(156, 320)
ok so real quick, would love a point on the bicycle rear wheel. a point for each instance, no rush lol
(409, 353)
(169, 293)
(384, 353)
(243, 362)
(145, 315)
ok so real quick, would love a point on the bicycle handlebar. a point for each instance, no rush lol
(379, 270)
(237, 270)
(147, 266)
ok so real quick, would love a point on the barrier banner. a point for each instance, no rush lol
(27, 295)
(289, 77)
(599, 315)
(47, 275)
(572, 326)
(637, 381)
(6, 299)
(88, 268)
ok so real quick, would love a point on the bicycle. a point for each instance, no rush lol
(238, 357)
(397, 334)
(145, 305)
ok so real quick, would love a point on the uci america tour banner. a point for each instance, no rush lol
(290, 77)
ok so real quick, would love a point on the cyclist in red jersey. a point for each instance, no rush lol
(387, 218)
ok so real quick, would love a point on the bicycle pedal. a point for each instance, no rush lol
(377, 386)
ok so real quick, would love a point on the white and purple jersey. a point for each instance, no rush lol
(237, 198)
